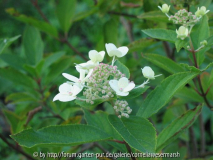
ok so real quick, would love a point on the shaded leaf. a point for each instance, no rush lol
(181, 44)
(135, 93)
(65, 11)
(110, 31)
(4, 43)
(162, 94)
(17, 77)
(138, 132)
(16, 122)
(201, 33)
(64, 135)
(140, 44)
(177, 127)
(164, 63)
(99, 119)
(13, 60)
(33, 45)
(122, 68)
(157, 16)
(42, 26)
(162, 34)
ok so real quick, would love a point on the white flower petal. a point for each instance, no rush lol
(93, 54)
(114, 85)
(122, 93)
(102, 53)
(64, 97)
(100, 56)
(56, 97)
(123, 82)
(110, 47)
(115, 53)
(65, 88)
(82, 74)
(70, 77)
(88, 75)
(130, 86)
(123, 50)
(76, 89)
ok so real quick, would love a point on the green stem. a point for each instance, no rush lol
(192, 50)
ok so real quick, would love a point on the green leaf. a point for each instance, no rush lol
(122, 68)
(161, 95)
(58, 68)
(99, 119)
(16, 122)
(31, 70)
(177, 127)
(162, 34)
(111, 31)
(157, 16)
(164, 63)
(13, 60)
(138, 132)
(201, 33)
(33, 45)
(135, 93)
(17, 77)
(181, 43)
(189, 95)
(42, 26)
(52, 58)
(20, 97)
(205, 3)
(140, 44)
(4, 43)
(65, 11)
(61, 135)
(85, 14)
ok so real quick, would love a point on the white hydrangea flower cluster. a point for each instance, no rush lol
(98, 83)
(101, 81)
(185, 19)
(121, 107)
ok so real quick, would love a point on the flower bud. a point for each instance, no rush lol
(204, 43)
(201, 11)
(182, 32)
(148, 72)
(165, 8)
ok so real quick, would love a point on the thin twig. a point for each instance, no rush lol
(118, 141)
(31, 114)
(128, 26)
(65, 41)
(35, 4)
(15, 148)
(207, 91)
(167, 49)
(44, 103)
(192, 141)
(192, 50)
(100, 147)
(129, 151)
(130, 5)
(202, 134)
